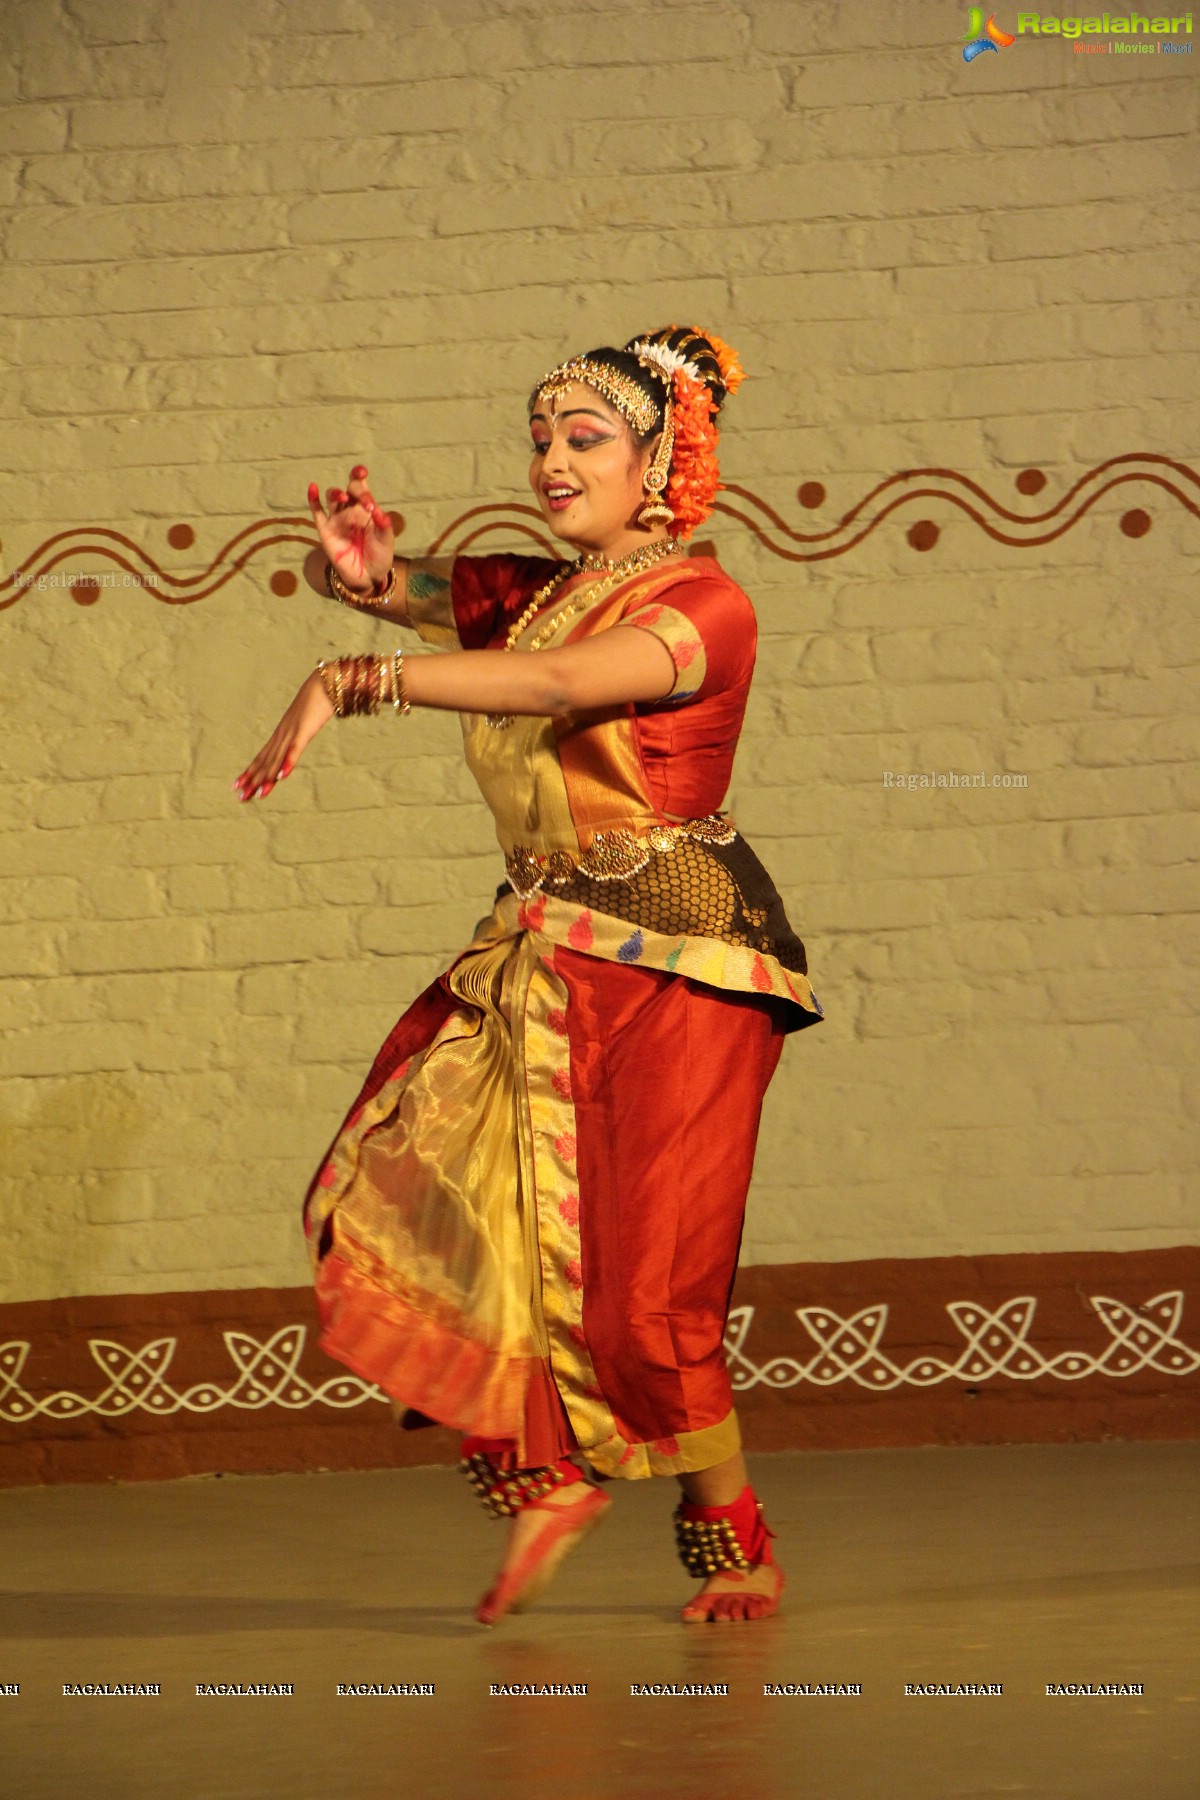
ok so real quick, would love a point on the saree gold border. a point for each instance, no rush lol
(550, 1186)
(732, 966)
(695, 1449)
(549, 1149)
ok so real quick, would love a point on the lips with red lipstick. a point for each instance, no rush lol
(560, 495)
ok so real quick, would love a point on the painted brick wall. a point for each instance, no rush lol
(247, 242)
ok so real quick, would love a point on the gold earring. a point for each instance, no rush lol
(656, 511)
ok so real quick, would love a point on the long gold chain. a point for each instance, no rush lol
(644, 557)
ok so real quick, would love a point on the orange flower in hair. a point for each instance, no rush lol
(729, 363)
(693, 482)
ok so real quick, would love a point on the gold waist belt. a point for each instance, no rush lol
(612, 855)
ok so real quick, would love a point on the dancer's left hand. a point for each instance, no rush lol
(311, 709)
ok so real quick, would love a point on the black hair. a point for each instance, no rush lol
(691, 344)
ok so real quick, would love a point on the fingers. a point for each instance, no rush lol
(319, 516)
(360, 492)
(356, 494)
(255, 780)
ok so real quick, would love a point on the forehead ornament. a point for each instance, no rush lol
(635, 407)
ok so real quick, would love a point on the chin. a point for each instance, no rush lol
(577, 536)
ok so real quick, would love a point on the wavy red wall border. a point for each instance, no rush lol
(906, 490)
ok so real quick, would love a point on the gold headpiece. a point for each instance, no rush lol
(634, 405)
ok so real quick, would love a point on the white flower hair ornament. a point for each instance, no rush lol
(667, 362)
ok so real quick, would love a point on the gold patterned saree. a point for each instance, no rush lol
(527, 1225)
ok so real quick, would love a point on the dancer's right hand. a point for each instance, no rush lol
(356, 536)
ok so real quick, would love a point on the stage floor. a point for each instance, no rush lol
(1023, 1566)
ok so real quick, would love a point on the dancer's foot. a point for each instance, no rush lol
(729, 1547)
(737, 1594)
(539, 1536)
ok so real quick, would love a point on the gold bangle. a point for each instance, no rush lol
(401, 700)
(361, 684)
(349, 597)
(338, 589)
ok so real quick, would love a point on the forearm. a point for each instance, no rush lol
(486, 681)
(618, 667)
(396, 610)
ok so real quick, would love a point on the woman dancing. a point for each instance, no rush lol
(527, 1225)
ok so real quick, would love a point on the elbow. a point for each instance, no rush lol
(556, 690)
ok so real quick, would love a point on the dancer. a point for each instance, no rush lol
(527, 1225)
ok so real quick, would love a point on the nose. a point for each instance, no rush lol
(554, 462)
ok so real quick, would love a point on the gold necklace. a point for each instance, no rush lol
(644, 557)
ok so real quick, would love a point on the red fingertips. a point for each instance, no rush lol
(358, 472)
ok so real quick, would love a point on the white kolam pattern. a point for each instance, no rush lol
(997, 1343)
(267, 1375)
(848, 1349)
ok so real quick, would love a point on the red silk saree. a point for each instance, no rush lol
(527, 1225)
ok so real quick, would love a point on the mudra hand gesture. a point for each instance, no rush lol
(358, 539)
(355, 535)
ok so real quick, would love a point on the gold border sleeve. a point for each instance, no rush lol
(427, 599)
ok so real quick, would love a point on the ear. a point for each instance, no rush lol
(648, 452)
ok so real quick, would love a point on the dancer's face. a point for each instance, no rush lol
(587, 471)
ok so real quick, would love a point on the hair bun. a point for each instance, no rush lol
(716, 363)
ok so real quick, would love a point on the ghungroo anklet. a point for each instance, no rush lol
(503, 1492)
(712, 1538)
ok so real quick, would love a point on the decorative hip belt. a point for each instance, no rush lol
(612, 855)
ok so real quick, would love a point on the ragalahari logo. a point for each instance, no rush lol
(984, 37)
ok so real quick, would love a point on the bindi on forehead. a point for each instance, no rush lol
(581, 414)
(576, 398)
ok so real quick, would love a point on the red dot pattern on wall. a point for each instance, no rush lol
(513, 522)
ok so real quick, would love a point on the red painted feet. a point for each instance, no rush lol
(540, 1535)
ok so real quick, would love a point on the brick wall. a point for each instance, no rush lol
(244, 245)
